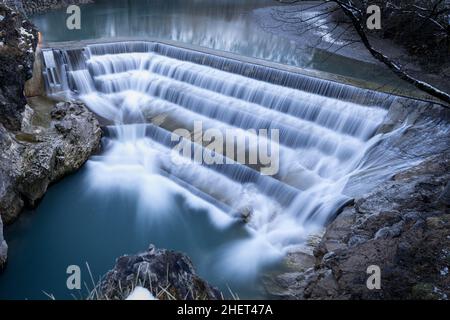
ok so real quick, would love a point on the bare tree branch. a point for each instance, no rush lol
(356, 17)
(429, 12)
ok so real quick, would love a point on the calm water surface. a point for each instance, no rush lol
(219, 24)
(76, 224)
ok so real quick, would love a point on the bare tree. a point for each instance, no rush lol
(421, 22)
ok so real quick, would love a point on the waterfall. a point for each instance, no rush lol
(146, 91)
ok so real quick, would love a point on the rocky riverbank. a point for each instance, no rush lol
(3, 246)
(41, 143)
(31, 7)
(36, 156)
(168, 275)
(402, 226)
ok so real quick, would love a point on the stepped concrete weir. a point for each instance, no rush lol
(336, 140)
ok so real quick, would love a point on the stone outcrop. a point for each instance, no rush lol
(18, 38)
(35, 87)
(403, 226)
(37, 156)
(34, 158)
(40, 144)
(31, 7)
(17, 41)
(168, 275)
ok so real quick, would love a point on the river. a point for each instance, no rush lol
(120, 202)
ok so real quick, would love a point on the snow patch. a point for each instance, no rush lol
(140, 293)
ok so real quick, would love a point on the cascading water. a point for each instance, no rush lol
(148, 90)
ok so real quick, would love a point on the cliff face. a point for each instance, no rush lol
(40, 154)
(32, 159)
(18, 38)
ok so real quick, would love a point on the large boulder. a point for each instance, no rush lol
(18, 39)
(168, 275)
(37, 156)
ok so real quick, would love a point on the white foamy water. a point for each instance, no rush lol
(147, 90)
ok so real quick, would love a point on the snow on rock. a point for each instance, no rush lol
(140, 293)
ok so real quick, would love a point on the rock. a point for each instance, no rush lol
(356, 240)
(287, 286)
(298, 264)
(390, 232)
(31, 160)
(36, 85)
(445, 195)
(401, 226)
(3, 247)
(166, 274)
(19, 38)
(33, 154)
(31, 7)
(427, 291)
(29, 165)
(299, 261)
(325, 286)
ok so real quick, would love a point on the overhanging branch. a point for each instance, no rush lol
(356, 16)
